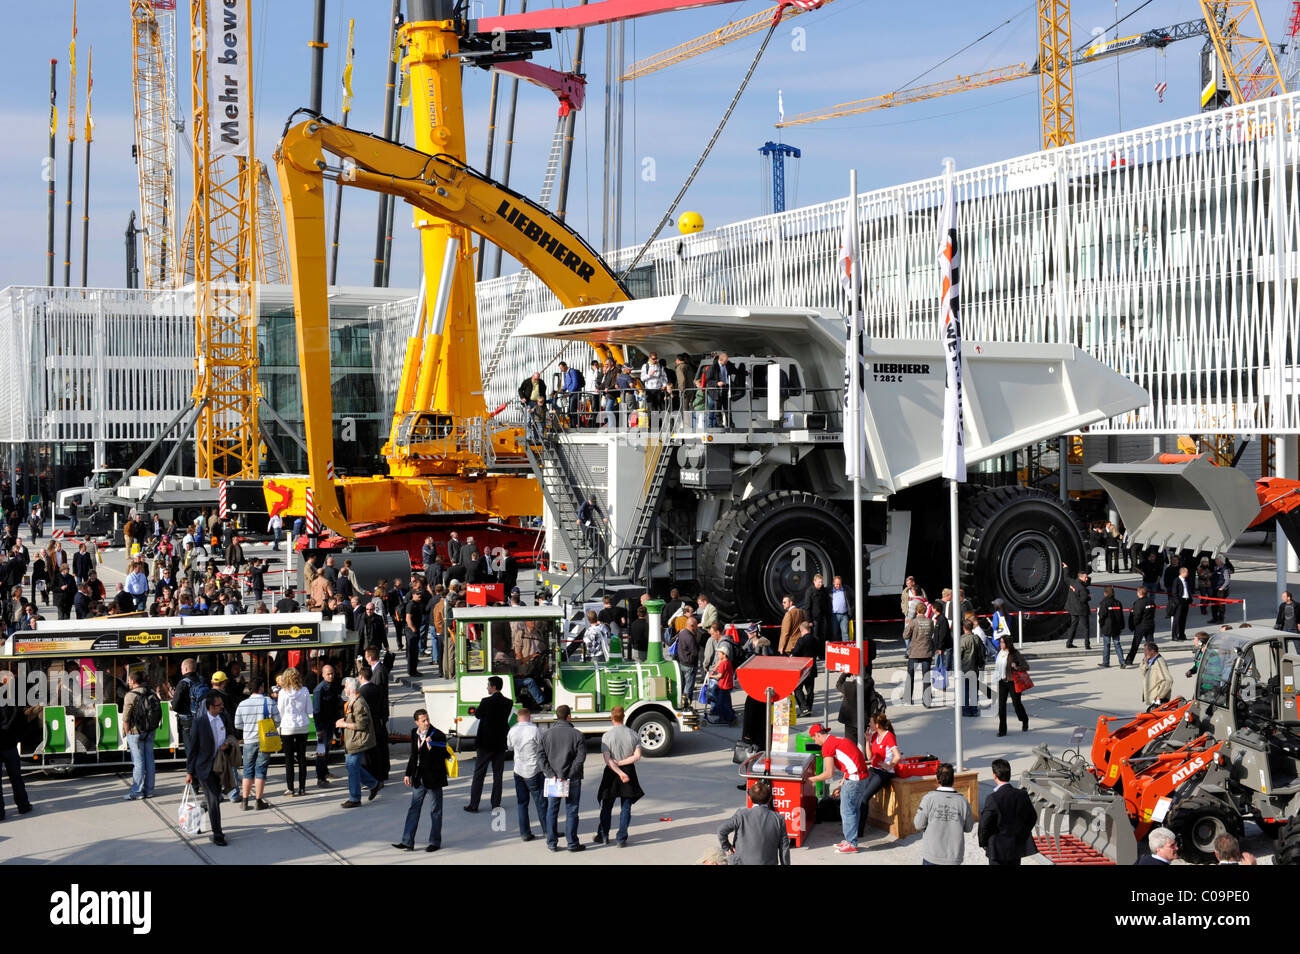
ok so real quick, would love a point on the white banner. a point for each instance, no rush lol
(230, 78)
(855, 446)
(954, 449)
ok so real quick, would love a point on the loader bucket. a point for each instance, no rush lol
(1174, 500)
(1078, 824)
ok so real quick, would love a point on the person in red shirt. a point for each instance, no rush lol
(882, 747)
(725, 674)
(844, 755)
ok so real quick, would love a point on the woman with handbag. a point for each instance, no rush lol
(295, 713)
(1012, 673)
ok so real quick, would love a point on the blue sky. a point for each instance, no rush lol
(852, 49)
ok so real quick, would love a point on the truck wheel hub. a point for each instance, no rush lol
(791, 568)
(1031, 568)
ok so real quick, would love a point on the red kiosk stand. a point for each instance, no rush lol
(794, 796)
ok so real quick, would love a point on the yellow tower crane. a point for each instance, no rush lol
(153, 66)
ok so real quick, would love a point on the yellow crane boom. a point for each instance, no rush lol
(438, 187)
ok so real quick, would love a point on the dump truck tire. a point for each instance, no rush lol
(1199, 819)
(1014, 540)
(773, 545)
(1287, 849)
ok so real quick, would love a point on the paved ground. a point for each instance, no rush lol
(82, 819)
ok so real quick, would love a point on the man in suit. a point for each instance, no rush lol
(759, 836)
(374, 689)
(1142, 620)
(1163, 845)
(1006, 820)
(1076, 603)
(1180, 601)
(493, 714)
(81, 564)
(207, 738)
(65, 591)
(426, 774)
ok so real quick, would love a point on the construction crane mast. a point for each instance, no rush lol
(1055, 73)
(223, 219)
(153, 71)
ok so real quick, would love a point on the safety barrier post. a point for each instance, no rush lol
(1020, 630)
(1244, 617)
(1098, 612)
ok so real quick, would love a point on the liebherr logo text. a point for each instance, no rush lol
(555, 248)
(75, 907)
(1187, 770)
(1160, 726)
(591, 316)
(900, 368)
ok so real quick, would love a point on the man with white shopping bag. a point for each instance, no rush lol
(207, 738)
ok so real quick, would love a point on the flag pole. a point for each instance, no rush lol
(855, 421)
(953, 444)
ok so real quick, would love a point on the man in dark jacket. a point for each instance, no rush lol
(563, 751)
(327, 701)
(65, 593)
(207, 737)
(819, 613)
(1006, 820)
(1111, 622)
(426, 774)
(688, 655)
(376, 698)
(1288, 614)
(493, 714)
(82, 564)
(372, 630)
(1180, 601)
(532, 389)
(1142, 620)
(12, 722)
(1076, 604)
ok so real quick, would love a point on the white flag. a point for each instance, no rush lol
(848, 254)
(854, 444)
(780, 105)
(954, 442)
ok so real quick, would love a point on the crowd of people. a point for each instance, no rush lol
(610, 394)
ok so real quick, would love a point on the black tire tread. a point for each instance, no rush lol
(980, 509)
(1286, 849)
(720, 556)
(1192, 807)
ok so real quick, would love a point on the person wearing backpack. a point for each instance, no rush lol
(141, 714)
(972, 665)
(182, 697)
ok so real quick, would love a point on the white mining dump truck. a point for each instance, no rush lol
(749, 502)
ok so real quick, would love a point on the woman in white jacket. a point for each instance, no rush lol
(294, 702)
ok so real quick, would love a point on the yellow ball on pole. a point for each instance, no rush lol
(689, 222)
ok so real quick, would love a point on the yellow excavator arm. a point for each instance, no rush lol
(446, 189)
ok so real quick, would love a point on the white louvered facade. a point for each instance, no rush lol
(1154, 250)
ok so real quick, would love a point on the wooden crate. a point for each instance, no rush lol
(894, 806)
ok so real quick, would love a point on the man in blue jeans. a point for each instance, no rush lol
(359, 729)
(841, 608)
(844, 755)
(139, 736)
(563, 751)
(426, 774)
(525, 740)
